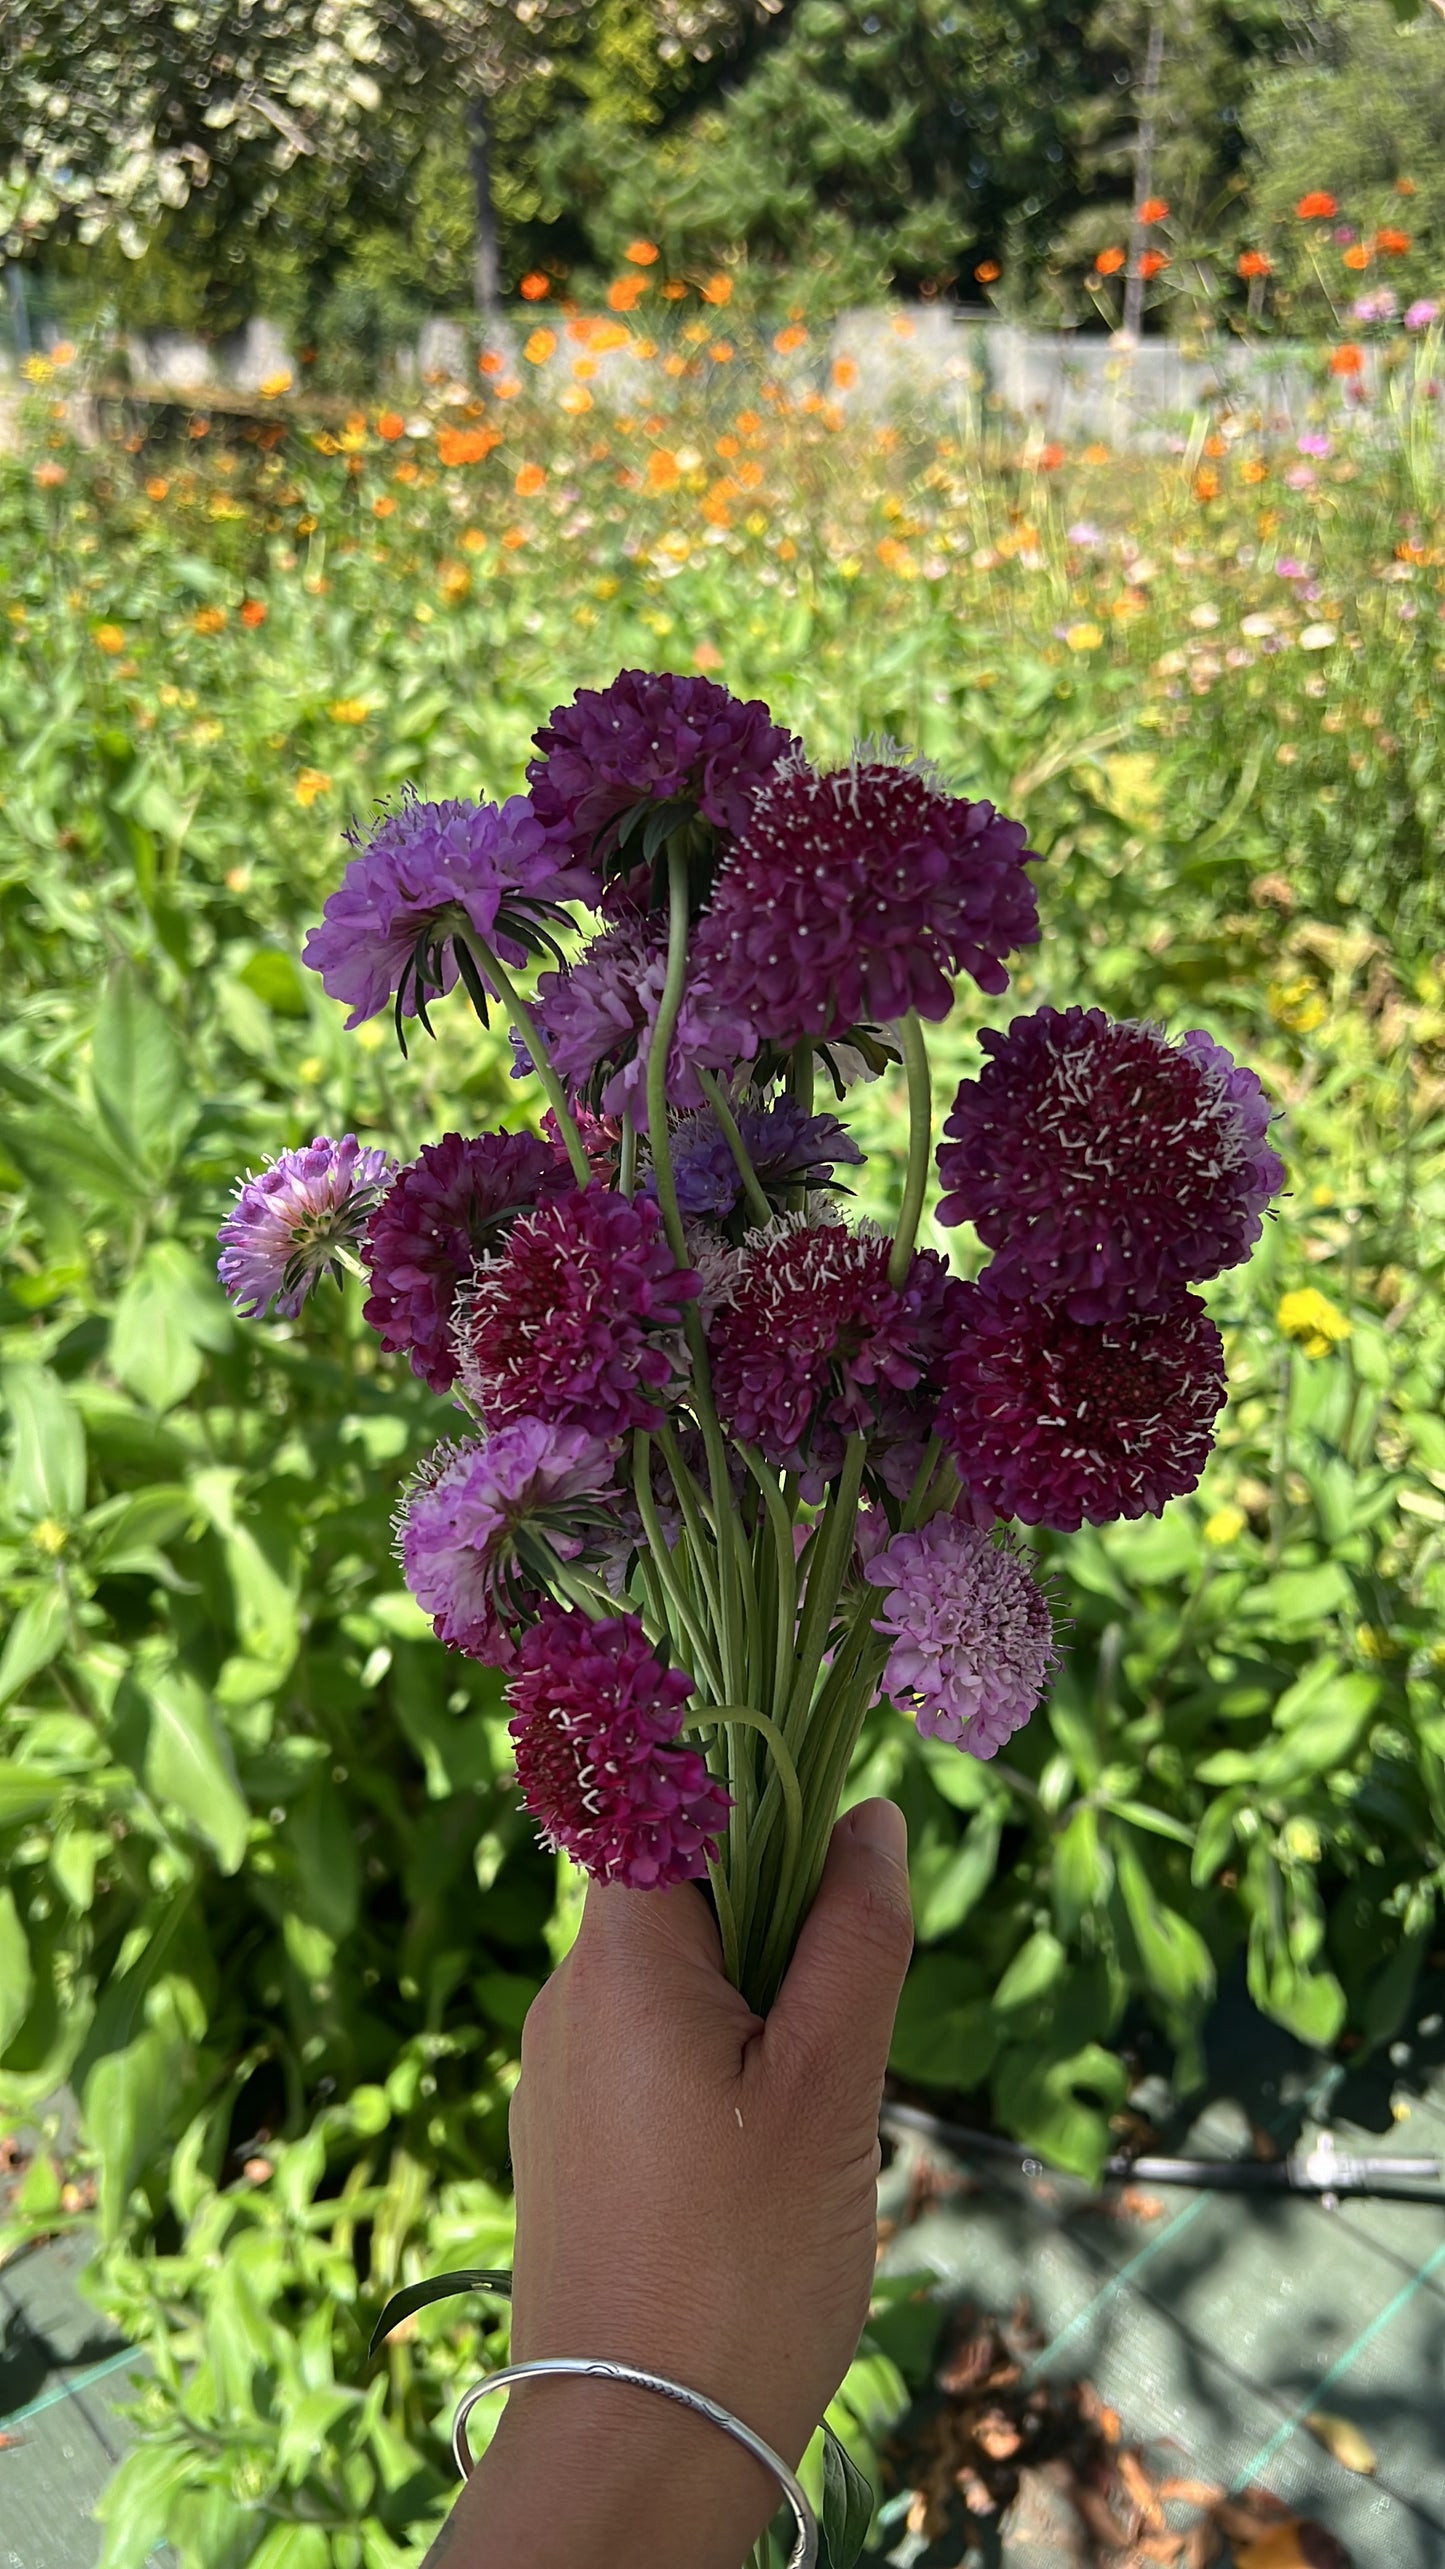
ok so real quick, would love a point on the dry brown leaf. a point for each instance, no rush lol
(1138, 2206)
(1343, 2441)
(1191, 2493)
(1296, 2544)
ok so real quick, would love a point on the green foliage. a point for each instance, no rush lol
(268, 1904)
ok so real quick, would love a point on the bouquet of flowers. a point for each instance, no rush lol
(726, 1465)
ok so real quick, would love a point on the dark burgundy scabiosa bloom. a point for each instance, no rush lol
(1055, 1420)
(971, 1629)
(1104, 1165)
(786, 1147)
(471, 1524)
(597, 1018)
(852, 897)
(426, 871)
(934, 1301)
(595, 1721)
(294, 1222)
(448, 1209)
(809, 1341)
(579, 1320)
(648, 738)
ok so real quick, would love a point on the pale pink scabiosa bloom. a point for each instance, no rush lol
(812, 1336)
(652, 738)
(473, 1525)
(853, 897)
(447, 1210)
(597, 1017)
(1053, 1420)
(296, 1220)
(579, 1320)
(1422, 314)
(1105, 1165)
(595, 1721)
(427, 873)
(972, 1633)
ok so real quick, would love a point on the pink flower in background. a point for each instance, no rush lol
(476, 1514)
(1422, 314)
(293, 1222)
(971, 1629)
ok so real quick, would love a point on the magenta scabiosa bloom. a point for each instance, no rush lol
(811, 1338)
(1055, 1420)
(648, 738)
(852, 897)
(1104, 1165)
(578, 1320)
(971, 1629)
(933, 1301)
(446, 1211)
(427, 872)
(596, 1019)
(294, 1221)
(595, 1721)
(1422, 314)
(472, 1523)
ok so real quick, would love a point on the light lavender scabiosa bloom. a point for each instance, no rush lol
(477, 1523)
(296, 1220)
(1422, 314)
(972, 1633)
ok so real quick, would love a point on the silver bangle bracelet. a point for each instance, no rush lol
(804, 2554)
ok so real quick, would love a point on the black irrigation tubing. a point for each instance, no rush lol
(1321, 2169)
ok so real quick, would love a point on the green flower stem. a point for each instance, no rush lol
(627, 1161)
(835, 1739)
(706, 1667)
(800, 1076)
(701, 1541)
(712, 1089)
(727, 1922)
(921, 1481)
(920, 1143)
(827, 1560)
(786, 1772)
(586, 1594)
(526, 1025)
(780, 1524)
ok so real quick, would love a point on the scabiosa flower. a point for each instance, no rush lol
(597, 1018)
(579, 1320)
(294, 1221)
(1422, 314)
(469, 1529)
(648, 738)
(1104, 1165)
(427, 872)
(442, 1214)
(787, 1148)
(852, 897)
(933, 1301)
(595, 1721)
(1055, 1420)
(810, 1338)
(972, 1632)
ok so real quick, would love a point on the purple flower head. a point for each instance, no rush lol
(579, 1320)
(448, 1209)
(933, 1300)
(1315, 442)
(296, 1219)
(1287, 568)
(428, 871)
(972, 1632)
(787, 1148)
(852, 897)
(1054, 1421)
(1084, 533)
(597, 1017)
(595, 1721)
(1382, 305)
(1104, 1165)
(1422, 314)
(811, 1338)
(649, 738)
(472, 1524)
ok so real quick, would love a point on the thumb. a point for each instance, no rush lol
(841, 1992)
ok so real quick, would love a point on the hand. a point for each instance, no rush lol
(695, 2196)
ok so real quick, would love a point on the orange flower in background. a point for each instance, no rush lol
(663, 470)
(514, 539)
(1255, 470)
(707, 656)
(1404, 187)
(109, 638)
(506, 388)
(530, 480)
(749, 422)
(988, 271)
(535, 288)
(674, 365)
(1254, 263)
(718, 290)
(643, 254)
(1397, 243)
(1153, 209)
(466, 445)
(390, 425)
(253, 612)
(157, 487)
(541, 345)
(575, 400)
(1357, 256)
(674, 291)
(1347, 360)
(489, 363)
(1109, 262)
(608, 334)
(787, 341)
(311, 782)
(721, 352)
(384, 507)
(208, 619)
(1097, 454)
(844, 373)
(1206, 483)
(1316, 206)
(625, 292)
(1052, 457)
(1215, 446)
(1151, 262)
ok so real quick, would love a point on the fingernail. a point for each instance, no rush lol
(881, 1827)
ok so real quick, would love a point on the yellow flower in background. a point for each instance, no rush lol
(1309, 1316)
(348, 709)
(311, 782)
(1226, 1525)
(271, 387)
(540, 346)
(109, 638)
(1084, 637)
(208, 619)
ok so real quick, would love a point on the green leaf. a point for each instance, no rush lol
(17, 1980)
(24, 1790)
(134, 2507)
(276, 982)
(128, 2102)
(1049, 2103)
(944, 2034)
(188, 1763)
(847, 2510)
(169, 1316)
(47, 1460)
(949, 1880)
(125, 1532)
(1176, 1960)
(1039, 1962)
(139, 1074)
(1081, 1871)
(39, 1632)
(436, 2288)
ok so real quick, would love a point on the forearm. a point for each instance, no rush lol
(609, 2475)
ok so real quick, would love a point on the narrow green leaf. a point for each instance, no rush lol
(847, 2506)
(188, 1763)
(47, 1460)
(436, 2288)
(17, 1981)
(138, 1071)
(37, 1635)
